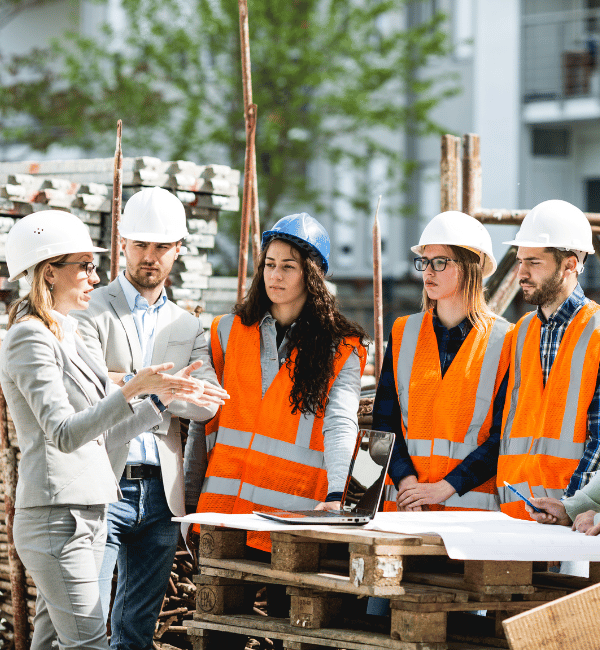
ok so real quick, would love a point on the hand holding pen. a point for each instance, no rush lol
(550, 511)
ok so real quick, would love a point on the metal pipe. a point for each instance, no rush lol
(377, 294)
(250, 213)
(515, 217)
(246, 204)
(116, 205)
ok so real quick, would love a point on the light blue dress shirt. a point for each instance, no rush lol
(143, 449)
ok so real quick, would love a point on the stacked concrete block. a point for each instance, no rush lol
(84, 187)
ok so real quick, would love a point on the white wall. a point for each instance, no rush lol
(496, 106)
(37, 26)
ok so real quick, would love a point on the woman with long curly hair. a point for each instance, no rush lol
(443, 380)
(291, 363)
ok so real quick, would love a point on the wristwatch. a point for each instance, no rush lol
(128, 377)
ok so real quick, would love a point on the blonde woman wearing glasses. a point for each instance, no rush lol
(443, 383)
(68, 418)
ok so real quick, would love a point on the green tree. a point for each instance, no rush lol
(331, 80)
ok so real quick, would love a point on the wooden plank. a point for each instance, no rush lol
(456, 581)
(294, 554)
(279, 629)
(250, 570)
(370, 569)
(371, 537)
(567, 623)
(472, 606)
(219, 542)
(313, 609)
(561, 580)
(412, 626)
(481, 573)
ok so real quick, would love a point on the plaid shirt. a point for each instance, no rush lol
(551, 335)
(480, 464)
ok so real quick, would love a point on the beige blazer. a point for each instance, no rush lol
(109, 331)
(67, 416)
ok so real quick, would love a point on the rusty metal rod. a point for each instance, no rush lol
(116, 205)
(515, 217)
(246, 206)
(507, 290)
(250, 214)
(377, 293)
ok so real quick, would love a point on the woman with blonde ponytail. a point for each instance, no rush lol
(443, 380)
(68, 417)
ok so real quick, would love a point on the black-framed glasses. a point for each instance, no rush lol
(88, 267)
(437, 263)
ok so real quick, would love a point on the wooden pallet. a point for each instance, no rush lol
(329, 571)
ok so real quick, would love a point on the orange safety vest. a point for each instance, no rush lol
(544, 428)
(261, 457)
(445, 418)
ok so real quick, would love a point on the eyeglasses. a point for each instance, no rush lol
(88, 267)
(437, 263)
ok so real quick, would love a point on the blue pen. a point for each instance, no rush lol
(527, 501)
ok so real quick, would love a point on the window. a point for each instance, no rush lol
(550, 142)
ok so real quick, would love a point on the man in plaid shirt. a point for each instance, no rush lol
(551, 427)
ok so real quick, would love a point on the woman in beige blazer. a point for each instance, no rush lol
(67, 416)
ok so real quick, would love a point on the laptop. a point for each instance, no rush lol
(363, 490)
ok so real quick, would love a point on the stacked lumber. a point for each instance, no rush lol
(328, 571)
(84, 188)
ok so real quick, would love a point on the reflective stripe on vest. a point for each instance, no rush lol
(508, 496)
(552, 419)
(485, 354)
(263, 457)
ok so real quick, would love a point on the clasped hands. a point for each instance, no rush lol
(414, 496)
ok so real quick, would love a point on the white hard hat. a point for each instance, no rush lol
(459, 229)
(555, 224)
(154, 215)
(42, 235)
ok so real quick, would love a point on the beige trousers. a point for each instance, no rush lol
(62, 548)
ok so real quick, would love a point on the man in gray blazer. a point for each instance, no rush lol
(131, 324)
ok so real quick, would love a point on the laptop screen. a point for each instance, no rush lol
(368, 468)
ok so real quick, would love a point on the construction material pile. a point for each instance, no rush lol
(84, 188)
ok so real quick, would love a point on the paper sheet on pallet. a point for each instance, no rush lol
(466, 535)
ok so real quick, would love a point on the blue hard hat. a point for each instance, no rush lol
(305, 232)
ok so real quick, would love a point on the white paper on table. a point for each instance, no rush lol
(492, 536)
(244, 522)
(467, 535)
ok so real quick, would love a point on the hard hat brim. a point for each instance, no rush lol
(537, 244)
(151, 237)
(489, 265)
(21, 273)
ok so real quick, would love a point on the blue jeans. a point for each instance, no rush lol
(141, 540)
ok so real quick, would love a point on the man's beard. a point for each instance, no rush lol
(146, 281)
(548, 292)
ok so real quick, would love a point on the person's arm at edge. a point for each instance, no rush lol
(590, 460)
(340, 426)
